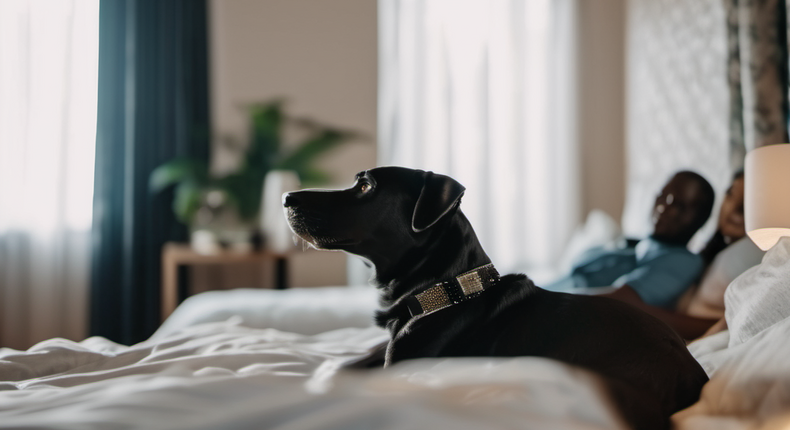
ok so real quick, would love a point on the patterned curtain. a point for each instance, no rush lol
(757, 74)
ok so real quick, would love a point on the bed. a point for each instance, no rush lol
(272, 359)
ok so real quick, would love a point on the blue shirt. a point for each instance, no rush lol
(657, 271)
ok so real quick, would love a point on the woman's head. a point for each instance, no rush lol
(731, 214)
(730, 225)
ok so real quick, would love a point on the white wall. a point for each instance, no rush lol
(677, 101)
(602, 126)
(654, 100)
(322, 57)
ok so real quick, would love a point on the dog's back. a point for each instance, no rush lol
(648, 369)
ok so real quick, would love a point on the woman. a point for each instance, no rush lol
(728, 254)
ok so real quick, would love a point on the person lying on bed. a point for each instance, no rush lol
(727, 254)
(657, 270)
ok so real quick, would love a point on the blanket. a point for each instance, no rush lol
(748, 364)
(224, 375)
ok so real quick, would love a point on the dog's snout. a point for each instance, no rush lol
(290, 200)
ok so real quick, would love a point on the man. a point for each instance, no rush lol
(658, 269)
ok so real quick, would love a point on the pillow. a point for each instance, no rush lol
(599, 229)
(707, 300)
(760, 297)
(297, 310)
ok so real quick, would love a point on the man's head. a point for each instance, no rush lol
(682, 207)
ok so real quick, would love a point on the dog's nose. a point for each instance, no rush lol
(290, 200)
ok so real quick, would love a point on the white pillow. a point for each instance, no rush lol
(599, 229)
(296, 310)
(760, 297)
(731, 262)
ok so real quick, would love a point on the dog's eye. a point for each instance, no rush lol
(365, 188)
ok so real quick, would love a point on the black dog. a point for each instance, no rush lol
(442, 297)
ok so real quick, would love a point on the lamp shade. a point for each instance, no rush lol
(767, 194)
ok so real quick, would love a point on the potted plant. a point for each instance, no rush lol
(199, 193)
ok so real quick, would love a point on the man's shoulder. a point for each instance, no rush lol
(670, 254)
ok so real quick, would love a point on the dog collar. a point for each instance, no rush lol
(463, 287)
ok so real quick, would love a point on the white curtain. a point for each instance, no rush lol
(48, 82)
(484, 91)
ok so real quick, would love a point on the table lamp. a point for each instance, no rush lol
(767, 194)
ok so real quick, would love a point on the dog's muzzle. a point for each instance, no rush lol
(314, 227)
(297, 219)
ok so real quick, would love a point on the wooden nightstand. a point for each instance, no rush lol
(175, 255)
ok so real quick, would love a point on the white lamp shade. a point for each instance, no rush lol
(767, 194)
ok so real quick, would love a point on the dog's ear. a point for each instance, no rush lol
(439, 194)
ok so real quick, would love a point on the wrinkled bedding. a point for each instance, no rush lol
(223, 375)
(749, 386)
(748, 364)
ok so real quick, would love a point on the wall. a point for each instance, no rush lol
(677, 101)
(322, 57)
(653, 100)
(601, 77)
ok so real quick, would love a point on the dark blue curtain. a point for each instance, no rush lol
(153, 106)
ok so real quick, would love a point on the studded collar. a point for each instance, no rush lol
(463, 287)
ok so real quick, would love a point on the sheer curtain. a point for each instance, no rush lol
(48, 75)
(484, 90)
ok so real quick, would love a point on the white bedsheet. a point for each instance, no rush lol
(749, 386)
(749, 364)
(223, 375)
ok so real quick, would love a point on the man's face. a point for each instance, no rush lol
(676, 210)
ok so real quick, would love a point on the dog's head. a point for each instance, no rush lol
(388, 208)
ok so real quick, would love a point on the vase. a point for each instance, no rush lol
(274, 226)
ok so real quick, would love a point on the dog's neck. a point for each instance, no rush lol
(463, 287)
(448, 250)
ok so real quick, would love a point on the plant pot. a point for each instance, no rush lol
(217, 224)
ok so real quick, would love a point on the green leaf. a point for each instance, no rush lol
(244, 190)
(187, 201)
(176, 171)
(265, 136)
